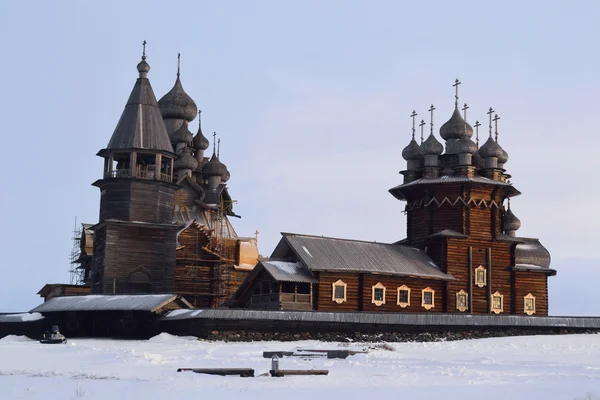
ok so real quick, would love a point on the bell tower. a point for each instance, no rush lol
(135, 239)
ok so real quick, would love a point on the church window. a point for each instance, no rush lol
(378, 294)
(339, 291)
(480, 276)
(404, 296)
(428, 298)
(497, 305)
(529, 304)
(462, 299)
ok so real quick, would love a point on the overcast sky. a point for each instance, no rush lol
(311, 100)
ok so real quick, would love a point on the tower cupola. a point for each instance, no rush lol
(510, 222)
(177, 106)
(412, 152)
(200, 141)
(186, 163)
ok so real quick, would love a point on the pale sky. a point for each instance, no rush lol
(311, 100)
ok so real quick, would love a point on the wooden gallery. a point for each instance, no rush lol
(164, 228)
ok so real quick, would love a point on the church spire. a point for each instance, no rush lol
(141, 125)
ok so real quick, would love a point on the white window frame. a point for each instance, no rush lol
(493, 309)
(464, 294)
(338, 300)
(379, 285)
(402, 303)
(428, 290)
(532, 298)
(477, 281)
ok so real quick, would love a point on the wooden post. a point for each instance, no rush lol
(489, 278)
(470, 286)
(361, 290)
(111, 161)
(132, 164)
(158, 167)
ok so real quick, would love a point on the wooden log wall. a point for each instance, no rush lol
(361, 300)
(392, 283)
(137, 200)
(535, 283)
(325, 292)
(500, 279)
(130, 248)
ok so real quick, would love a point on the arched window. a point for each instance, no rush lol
(480, 276)
(462, 300)
(403, 296)
(378, 294)
(529, 305)
(338, 289)
(497, 305)
(428, 298)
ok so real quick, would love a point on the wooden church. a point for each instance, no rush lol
(461, 253)
(164, 227)
(164, 209)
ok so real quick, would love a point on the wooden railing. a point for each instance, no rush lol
(137, 173)
(295, 298)
(265, 298)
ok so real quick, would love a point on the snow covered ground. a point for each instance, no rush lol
(533, 367)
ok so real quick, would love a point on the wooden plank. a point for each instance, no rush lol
(242, 372)
(284, 372)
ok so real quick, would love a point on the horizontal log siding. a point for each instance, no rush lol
(392, 283)
(457, 258)
(137, 200)
(325, 294)
(537, 285)
(130, 247)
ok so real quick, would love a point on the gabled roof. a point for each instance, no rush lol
(141, 125)
(342, 255)
(101, 302)
(285, 271)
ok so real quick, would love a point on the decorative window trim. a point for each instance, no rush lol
(428, 290)
(497, 310)
(338, 300)
(532, 298)
(402, 303)
(479, 282)
(460, 294)
(379, 285)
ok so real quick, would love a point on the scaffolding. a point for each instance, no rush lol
(76, 273)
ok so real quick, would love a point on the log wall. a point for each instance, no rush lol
(535, 283)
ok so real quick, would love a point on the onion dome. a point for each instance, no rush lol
(431, 146)
(226, 177)
(455, 127)
(214, 167)
(177, 104)
(478, 161)
(532, 252)
(200, 141)
(504, 158)
(491, 148)
(143, 67)
(186, 160)
(511, 222)
(412, 151)
(183, 135)
(465, 146)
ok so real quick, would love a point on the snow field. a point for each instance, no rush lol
(532, 367)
